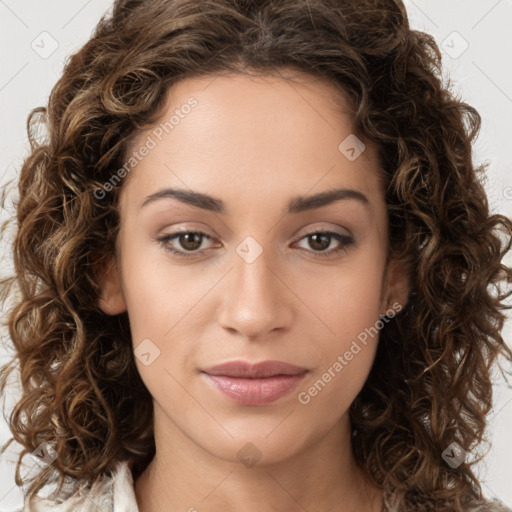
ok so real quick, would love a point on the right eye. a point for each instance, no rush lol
(190, 241)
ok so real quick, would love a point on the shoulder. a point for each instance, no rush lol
(108, 494)
(392, 503)
(490, 506)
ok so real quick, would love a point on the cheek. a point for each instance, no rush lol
(162, 305)
(327, 396)
(155, 297)
(352, 301)
(350, 308)
(345, 358)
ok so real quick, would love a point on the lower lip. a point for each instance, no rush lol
(256, 391)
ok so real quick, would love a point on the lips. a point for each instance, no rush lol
(255, 384)
(246, 370)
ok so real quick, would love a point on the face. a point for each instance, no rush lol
(258, 270)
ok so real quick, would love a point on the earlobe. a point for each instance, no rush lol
(397, 286)
(111, 300)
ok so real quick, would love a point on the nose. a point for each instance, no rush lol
(256, 299)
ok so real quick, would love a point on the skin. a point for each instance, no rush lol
(255, 143)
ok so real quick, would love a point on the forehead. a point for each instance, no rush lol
(260, 104)
(261, 133)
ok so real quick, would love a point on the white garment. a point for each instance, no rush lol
(117, 494)
(114, 494)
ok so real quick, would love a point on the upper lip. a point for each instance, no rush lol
(247, 370)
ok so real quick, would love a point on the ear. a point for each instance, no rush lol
(111, 300)
(396, 286)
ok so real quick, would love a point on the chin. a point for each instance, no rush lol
(257, 445)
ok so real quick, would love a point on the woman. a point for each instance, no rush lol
(254, 262)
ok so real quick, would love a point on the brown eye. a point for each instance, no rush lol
(319, 241)
(184, 244)
(190, 241)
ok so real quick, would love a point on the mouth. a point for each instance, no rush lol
(255, 384)
(264, 369)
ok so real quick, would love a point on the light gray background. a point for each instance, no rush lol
(36, 37)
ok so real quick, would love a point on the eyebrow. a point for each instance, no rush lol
(295, 205)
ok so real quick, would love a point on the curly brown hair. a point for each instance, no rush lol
(431, 381)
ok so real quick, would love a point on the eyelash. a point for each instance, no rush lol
(165, 239)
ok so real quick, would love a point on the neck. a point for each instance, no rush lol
(322, 476)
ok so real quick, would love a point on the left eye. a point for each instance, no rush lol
(191, 241)
(322, 239)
